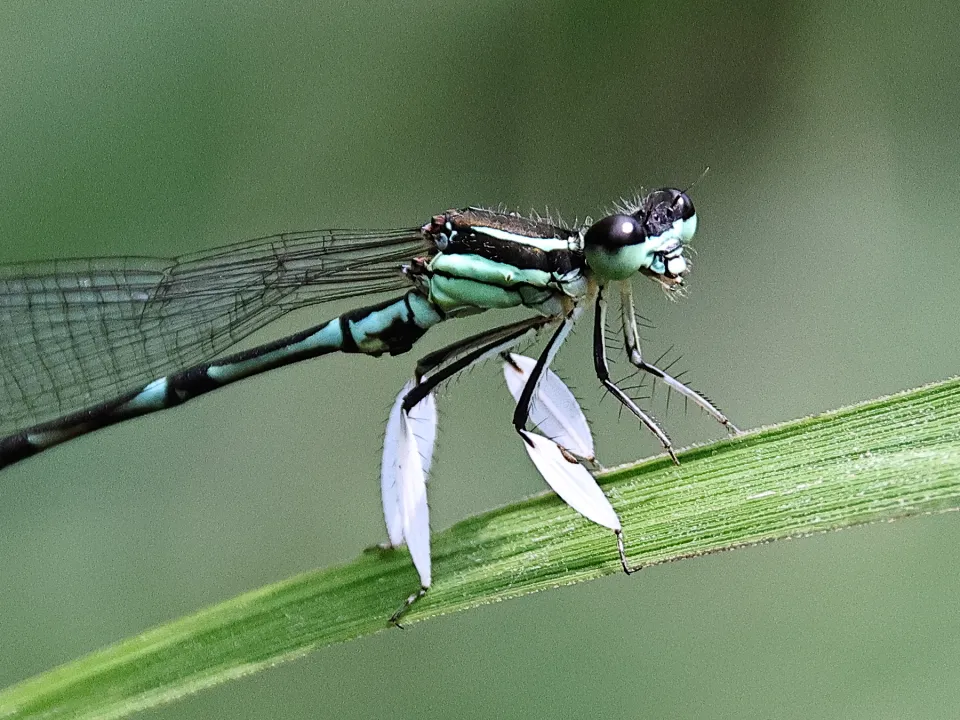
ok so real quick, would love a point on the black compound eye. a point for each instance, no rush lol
(615, 231)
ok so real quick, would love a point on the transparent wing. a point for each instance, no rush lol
(78, 332)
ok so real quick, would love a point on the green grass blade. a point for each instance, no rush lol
(887, 459)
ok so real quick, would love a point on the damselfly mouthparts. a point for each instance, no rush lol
(89, 343)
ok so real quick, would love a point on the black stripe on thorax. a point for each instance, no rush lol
(464, 239)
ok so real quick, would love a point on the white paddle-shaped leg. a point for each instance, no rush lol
(407, 454)
(556, 413)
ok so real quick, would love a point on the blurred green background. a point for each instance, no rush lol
(825, 274)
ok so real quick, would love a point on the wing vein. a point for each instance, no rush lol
(77, 332)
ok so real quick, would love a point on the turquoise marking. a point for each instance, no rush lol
(366, 331)
(620, 263)
(328, 337)
(688, 228)
(457, 296)
(680, 232)
(480, 269)
(468, 283)
(152, 397)
(425, 315)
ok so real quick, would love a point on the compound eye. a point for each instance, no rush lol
(613, 232)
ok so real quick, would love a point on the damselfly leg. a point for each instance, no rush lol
(403, 476)
(441, 365)
(631, 346)
(568, 441)
(522, 412)
(603, 374)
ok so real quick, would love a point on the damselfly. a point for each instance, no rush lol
(89, 343)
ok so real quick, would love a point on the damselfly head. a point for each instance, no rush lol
(648, 240)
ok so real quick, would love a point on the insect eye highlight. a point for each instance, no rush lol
(613, 232)
(683, 206)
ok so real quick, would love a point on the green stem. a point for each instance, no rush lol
(891, 458)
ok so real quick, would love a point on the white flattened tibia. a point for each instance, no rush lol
(554, 412)
(407, 455)
(412, 494)
(570, 480)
